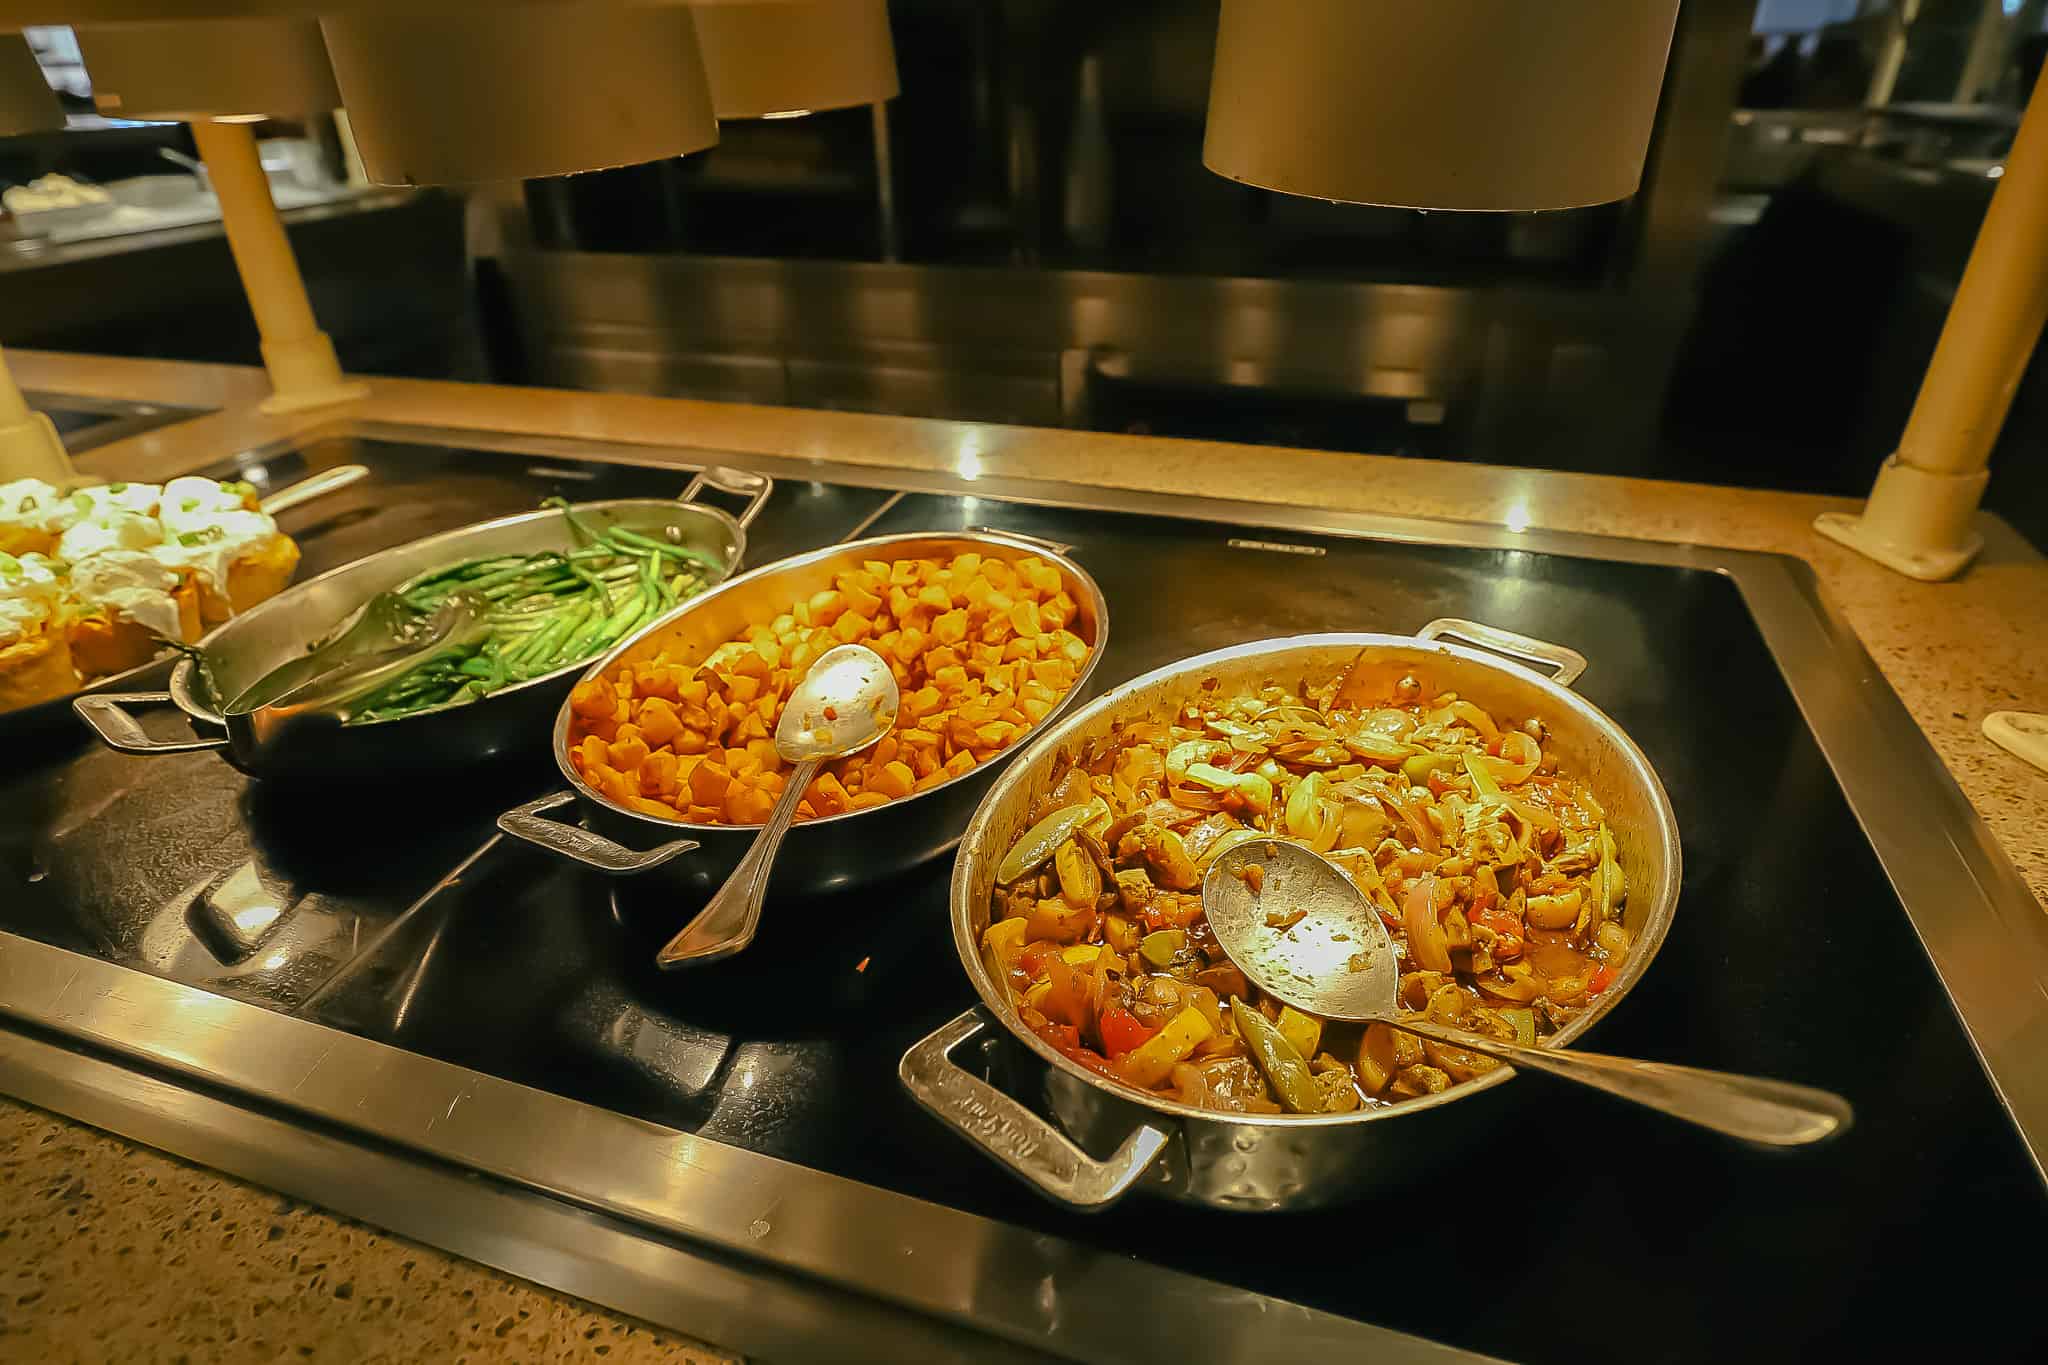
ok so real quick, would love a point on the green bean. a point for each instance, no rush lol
(590, 580)
(604, 629)
(533, 564)
(467, 567)
(547, 611)
(540, 651)
(1284, 1068)
(569, 515)
(623, 538)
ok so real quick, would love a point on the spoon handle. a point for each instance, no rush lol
(1776, 1113)
(727, 924)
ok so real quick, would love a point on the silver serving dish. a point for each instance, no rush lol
(243, 650)
(817, 855)
(1274, 1162)
(56, 714)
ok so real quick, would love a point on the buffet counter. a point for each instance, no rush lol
(115, 1249)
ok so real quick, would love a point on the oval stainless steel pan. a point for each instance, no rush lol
(817, 855)
(245, 649)
(1250, 1161)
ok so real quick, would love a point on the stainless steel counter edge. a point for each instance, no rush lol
(715, 1297)
(1033, 1290)
(1981, 927)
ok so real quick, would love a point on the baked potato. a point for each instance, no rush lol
(36, 667)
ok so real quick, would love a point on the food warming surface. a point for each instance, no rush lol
(1580, 1230)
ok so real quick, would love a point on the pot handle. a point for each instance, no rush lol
(319, 486)
(579, 845)
(1057, 547)
(1567, 663)
(741, 483)
(106, 715)
(1014, 1137)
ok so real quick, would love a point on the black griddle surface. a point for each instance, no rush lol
(180, 866)
(1580, 1230)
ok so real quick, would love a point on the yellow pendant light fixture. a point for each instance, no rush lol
(517, 91)
(27, 104)
(786, 58)
(208, 69)
(29, 446)
(1438, 104)
(220, 75)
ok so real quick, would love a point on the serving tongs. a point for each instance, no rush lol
(386, 639)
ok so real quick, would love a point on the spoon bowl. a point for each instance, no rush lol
(1301, 932)
(845, 703)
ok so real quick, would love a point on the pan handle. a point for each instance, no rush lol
(741, 483)
(319, 486)
(107, 715)
(1568, 663)
(1014, 1137)
(579, 845)
(1055, 546)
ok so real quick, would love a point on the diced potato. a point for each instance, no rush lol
(593, 699)
(979, 651)
(1058, 922)
(1302, 1030)
(1147, 1064)
(828, 795)
(708, 782)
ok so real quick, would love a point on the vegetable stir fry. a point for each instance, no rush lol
(1496, 876)
(548, 611)
(980, 647)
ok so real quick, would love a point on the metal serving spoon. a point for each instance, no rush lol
(1337, 961)
(846, 702)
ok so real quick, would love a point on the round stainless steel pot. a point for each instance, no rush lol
(243, 650)
(1273, 1162)
(818, 855)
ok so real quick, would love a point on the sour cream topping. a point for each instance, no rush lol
(30, 593)
(130, 584)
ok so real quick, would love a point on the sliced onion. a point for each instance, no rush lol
(1520, 756)
(1425, 833)
(1470, 714)
(1391, 723)
(1425, 936)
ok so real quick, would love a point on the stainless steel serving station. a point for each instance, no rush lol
(369, 1000)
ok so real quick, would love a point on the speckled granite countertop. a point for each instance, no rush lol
(112, 1251)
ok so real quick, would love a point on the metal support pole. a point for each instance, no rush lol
(29, 446)
(299, 356)
(1918, 517)
(885, 182)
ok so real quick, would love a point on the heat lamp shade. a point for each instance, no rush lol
(783, 57)
(208, 68)
(27, 104)
(521, 92)
(1438, 104)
